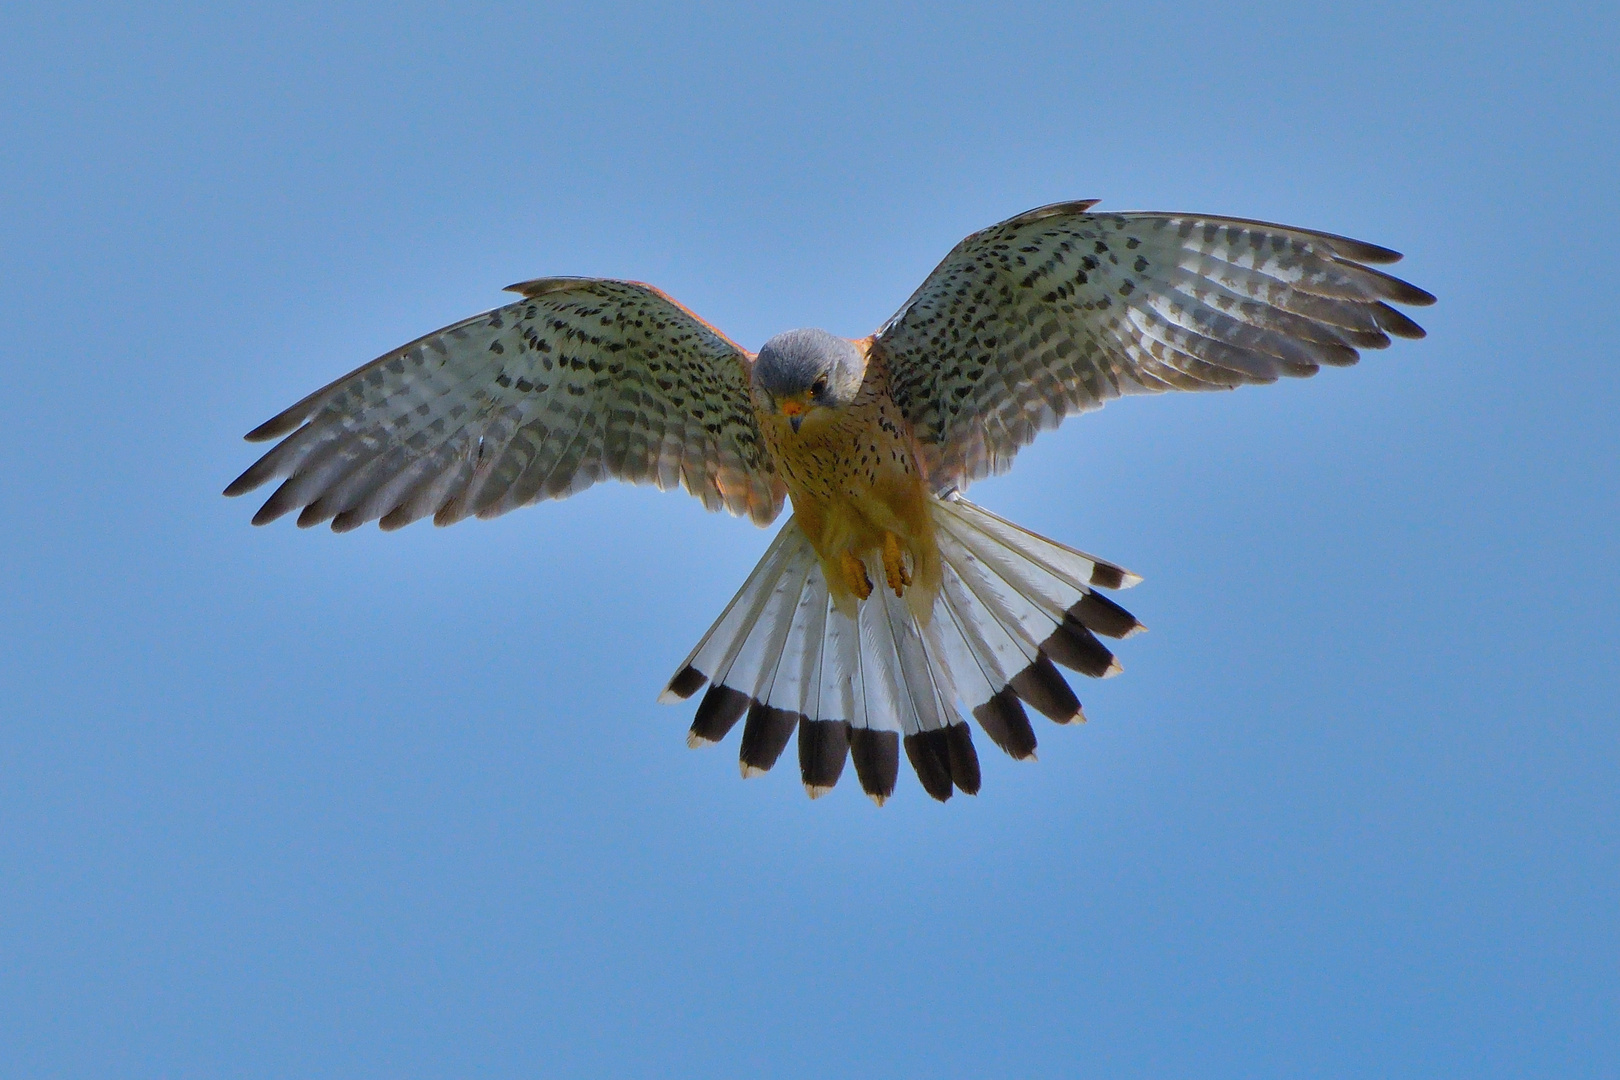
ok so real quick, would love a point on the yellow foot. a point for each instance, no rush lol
(894, 567)
(855, 575)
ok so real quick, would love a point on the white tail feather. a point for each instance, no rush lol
(1010, 602)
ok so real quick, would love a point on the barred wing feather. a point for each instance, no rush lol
(1058, 310)
(581, 380)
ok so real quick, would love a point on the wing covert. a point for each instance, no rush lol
(1057, 310)
(582, 380)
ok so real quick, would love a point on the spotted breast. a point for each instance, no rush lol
(858, 489)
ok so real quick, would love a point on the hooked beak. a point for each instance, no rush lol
(794, 409)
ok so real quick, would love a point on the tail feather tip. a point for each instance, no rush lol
(1107, 576)
(686, 682)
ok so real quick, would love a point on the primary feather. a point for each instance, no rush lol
(581, 380)
(1059, 309)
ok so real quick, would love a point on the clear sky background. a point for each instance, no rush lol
(277, 803)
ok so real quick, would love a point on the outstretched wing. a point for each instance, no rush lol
(581, 380)
(1057, 310)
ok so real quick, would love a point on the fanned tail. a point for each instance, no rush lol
(1010, 604)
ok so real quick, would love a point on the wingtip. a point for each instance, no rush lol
(273, 428)
(1379, 255)
(268, 513)
(1396, 323)
(1361, 251)
(395, 519)
(253, 476)
(1397, 289)
(1415, 296)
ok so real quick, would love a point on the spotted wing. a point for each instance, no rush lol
(1057, 310)
(581, 380)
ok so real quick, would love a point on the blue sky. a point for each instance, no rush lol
(282, 803)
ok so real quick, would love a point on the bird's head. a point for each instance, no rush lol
(802, 372)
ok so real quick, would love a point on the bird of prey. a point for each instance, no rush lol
(887, 598)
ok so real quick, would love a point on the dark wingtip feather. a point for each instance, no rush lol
(1365, 339)
(242, 484)
(1361, 251)
(1402, 292)
(930, 757)
(1005, 721)
(823, 747)
(719, 710)
(277, 426)
(964, 759)
(313, 514)
(1043, 687)
(765, 734)
(1397, 324)
(876, 755)
(1334, 354)
(686, 682)
(348, 521)
(253, 476)
(397, 518)
(451, 512)
(279, 503)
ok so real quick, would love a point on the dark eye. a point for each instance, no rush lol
(819, 387)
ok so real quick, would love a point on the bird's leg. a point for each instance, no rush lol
(894, 567)
(855, 575)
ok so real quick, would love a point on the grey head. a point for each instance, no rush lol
(805, 368)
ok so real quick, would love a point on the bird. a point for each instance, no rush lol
(887, 599)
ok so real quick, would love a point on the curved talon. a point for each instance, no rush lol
(894, 567)
(855, 575)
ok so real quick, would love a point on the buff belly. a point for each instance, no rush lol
(855, 485)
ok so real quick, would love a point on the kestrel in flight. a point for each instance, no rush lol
(887, 598)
